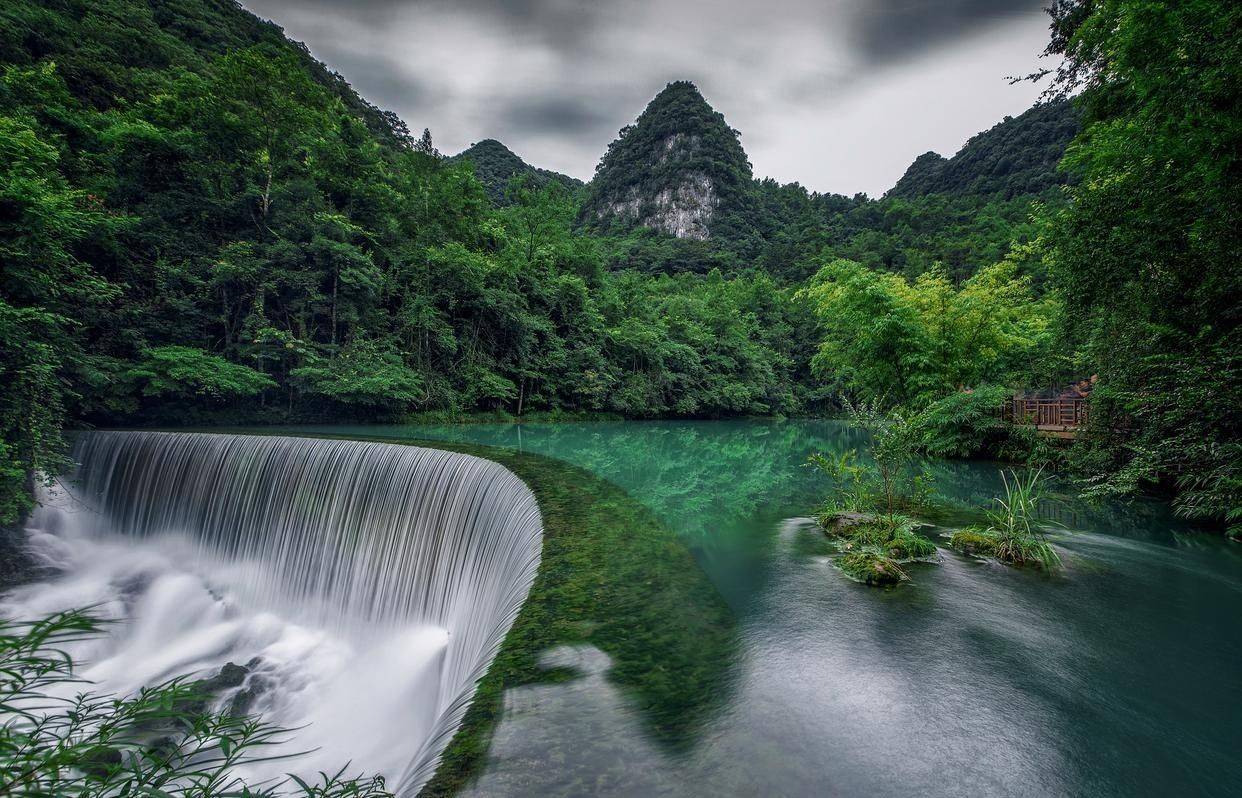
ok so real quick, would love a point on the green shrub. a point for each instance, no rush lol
(973, 423)
(906, 544)
(893, 482)
(185, 372)
(964, 423)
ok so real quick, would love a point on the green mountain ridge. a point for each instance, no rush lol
(1016, 156)
(104, 50)
(676, 192)
(495, 164)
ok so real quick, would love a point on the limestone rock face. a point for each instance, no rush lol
(673, 171)
(684, 210)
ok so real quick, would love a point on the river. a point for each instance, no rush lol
(1121, 676)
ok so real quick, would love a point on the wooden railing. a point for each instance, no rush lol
(1051, 414)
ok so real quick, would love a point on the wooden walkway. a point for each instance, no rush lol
(1056, 418)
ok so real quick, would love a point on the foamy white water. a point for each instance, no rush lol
(366, 586)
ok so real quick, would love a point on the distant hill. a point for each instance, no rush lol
(679, 169)
(1015, 157)
(106, 63)
(495, 164)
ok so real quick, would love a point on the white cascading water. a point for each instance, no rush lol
(366, 586)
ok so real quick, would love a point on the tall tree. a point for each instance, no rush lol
(1147, 253)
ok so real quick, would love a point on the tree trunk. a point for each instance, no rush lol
(335, 278)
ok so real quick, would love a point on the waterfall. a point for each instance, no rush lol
(366, 585)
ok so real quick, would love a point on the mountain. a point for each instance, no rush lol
(679, 169)
(109, 51)
(495, 164)
(1015, 157)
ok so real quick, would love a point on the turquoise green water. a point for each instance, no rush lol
(1123, 676)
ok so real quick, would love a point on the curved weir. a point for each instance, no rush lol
(367, 586)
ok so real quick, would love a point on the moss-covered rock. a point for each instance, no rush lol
(973, 540)
(871, 566)
(844, 523)
(894, 535)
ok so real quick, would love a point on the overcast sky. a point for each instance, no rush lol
(839, 95)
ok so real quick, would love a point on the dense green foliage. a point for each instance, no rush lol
(1146, 254)
(1019, 156)
(59, 738)
(199, 222)
(893, 341)
(495, 165)
(974, 421)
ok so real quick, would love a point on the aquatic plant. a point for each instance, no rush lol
(906, 544)
(893, 482)
(1014, 533)
(1014, 523)
(851, 489)
(161, 741)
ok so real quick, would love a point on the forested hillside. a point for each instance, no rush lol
(495, 165)
(1018, 156)
(200, 223)
(679, 169)
(674, 193)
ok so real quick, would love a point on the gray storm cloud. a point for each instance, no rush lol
(839, 95)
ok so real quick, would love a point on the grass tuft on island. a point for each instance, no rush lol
(874, 547)
(1015, 534)
(871, 565)
(974, 540)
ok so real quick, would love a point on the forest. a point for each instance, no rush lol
(200, 224)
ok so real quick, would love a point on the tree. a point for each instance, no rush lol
(184, 372)
(425, 146)
(1147, 252)
(45, 287)
(897, 342)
